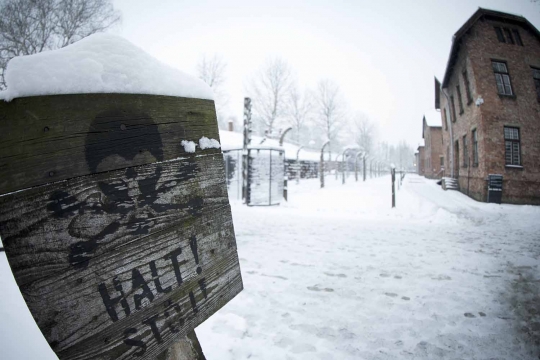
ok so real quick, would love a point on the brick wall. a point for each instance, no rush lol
(421, 162)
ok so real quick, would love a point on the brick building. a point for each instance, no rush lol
(490, 106)
(420, 156)
(433, 144)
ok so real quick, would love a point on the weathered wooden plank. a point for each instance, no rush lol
(38, 134)
(123, 263)
(120, 242)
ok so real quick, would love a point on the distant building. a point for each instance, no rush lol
(432, 134)
(420, 161)
(490, 103)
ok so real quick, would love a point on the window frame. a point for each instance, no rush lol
(502, 74)
(536, 81)
(460, 100)
(465, 152)
(467, 86)
(474, 137)
(500, 34)
(508, 35)
(517, 37)
(512, 142)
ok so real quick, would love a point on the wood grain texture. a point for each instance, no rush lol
(38, 134)
(64, 282)
(134, 246)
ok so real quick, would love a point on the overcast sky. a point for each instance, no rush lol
(383, 54)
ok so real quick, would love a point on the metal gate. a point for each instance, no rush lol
(265, 175)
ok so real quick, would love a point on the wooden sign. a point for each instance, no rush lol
(120, 241)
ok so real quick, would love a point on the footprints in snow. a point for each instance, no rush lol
(385, 275)
(317, 288)
(391, 294)
(471, 315)
(406, 298)
(335, 275)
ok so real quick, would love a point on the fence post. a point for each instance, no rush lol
(393, 172)
(322, 163)
(298, 164)
(344, 165)
(245, 153)
(285, 175)
(364, 167)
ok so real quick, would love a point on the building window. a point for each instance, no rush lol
(442, 161)
(475, 147)
(460, 101)
(502, 78)
(512, 146)
(465, 152)
(536, 78)
(517, 37)
(506, 35)
(500, 35)
(467, 87)
(453, 108)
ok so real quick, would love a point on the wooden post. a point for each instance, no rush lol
(119, 236)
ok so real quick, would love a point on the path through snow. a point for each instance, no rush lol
(337, 274)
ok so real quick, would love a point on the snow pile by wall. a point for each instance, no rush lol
(100, 63)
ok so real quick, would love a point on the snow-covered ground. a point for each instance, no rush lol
(337, 274)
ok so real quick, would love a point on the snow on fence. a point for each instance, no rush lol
(120, 239)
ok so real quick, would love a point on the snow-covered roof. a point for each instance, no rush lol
(100, 63)
(433, 117)
(234, 140)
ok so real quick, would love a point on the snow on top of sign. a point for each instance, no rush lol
(206, 143)
(189, 146)
(100, 63)
(433, 117)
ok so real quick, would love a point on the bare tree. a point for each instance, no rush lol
(31, 26)
(330, 110)
(270, 87)
(299, 108)
(364, 133)
(211, 70)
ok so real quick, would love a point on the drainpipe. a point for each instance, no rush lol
(449, 123)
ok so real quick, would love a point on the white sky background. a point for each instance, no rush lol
(383, 54)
